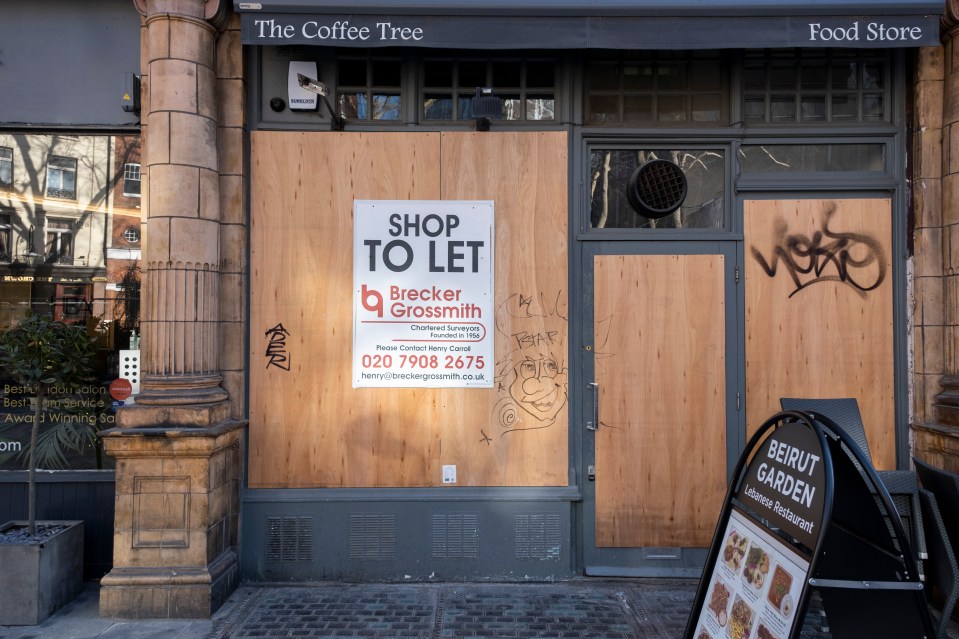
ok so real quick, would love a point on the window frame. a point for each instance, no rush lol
(55, 166)
(127, 177)
(6, 159)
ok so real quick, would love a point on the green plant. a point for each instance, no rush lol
(43, 354)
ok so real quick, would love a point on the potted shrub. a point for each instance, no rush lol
(42, 562)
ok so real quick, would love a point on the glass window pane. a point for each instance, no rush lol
(438, 106)
(438, 73)
(353, 106)
(671, 108)
(873, 107)
(540, 107)
(472, 73)
(783, 77)
(6, 167)
(540, 74)
(638, 77)
(386, 73)
(603, 77)
(782, 108)
(464, 108)
(754, 108)
(671, 76)
(638, 107)
(845, 107)
(706, 76)
(386, 107)
(506, 73)
(703, 206)
(873, 75)
(351, 73)
(813, 108)
(512, 107)
(707, 108)
(812, 158)
(844, 76)
(814, 77)
(604, 109)
(754, 79)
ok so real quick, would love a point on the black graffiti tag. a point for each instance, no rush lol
(276, 354)
(827, 256)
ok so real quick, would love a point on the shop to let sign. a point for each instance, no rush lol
(422, 293)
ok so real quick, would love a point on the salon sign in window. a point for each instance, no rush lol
(422, 293)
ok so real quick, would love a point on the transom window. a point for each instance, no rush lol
(62, 177)
(6, 167)
(525, 87)
(834, 86)
(664, 87)
(368, 88)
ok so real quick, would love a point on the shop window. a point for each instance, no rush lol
(816, 86)
(689, 88)
(526, 87)
(702, 206)
(6, 167)
(59, 245)
(6, 238)
(368, 88)
(62, 177)
(131, 179)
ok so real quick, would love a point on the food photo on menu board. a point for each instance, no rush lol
(753, 586)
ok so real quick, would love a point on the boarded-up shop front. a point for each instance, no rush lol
(635, 342)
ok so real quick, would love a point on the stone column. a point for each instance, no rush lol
(178, 448)
(936, 196)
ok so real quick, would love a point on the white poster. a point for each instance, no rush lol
(422, 293)
(754, 587)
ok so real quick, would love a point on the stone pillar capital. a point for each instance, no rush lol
(213, 11)
(950, 18)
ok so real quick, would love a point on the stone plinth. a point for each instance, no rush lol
(177, 517)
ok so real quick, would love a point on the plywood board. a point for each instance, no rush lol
(308, 426)
(661, 369)
(819, 309)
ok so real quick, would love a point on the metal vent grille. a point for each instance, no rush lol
(657, 188)
(537, 536)
(289, 539)
(456, 536)
(373, 537)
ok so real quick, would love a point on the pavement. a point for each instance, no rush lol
(583, 607)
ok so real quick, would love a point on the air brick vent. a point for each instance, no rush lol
(537, 536)
(289, 539)
(456, 536)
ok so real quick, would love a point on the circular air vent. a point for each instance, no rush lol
(656, 188)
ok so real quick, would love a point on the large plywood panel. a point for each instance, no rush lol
(309, 427)
(661, 368)
(525, 174)
(819, 309)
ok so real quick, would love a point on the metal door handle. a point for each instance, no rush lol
(594, 425)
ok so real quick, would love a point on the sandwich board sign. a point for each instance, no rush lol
(805, 510)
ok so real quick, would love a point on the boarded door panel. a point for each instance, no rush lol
(819, 309)
(308, 426)
(661, 369)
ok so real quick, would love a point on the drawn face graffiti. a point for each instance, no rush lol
(539, 386)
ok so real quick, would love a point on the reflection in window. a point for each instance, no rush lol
(703, 207)
(6, 167)
(59, 246)
(70, 260)
(661, 87)
(131, 235)
(6, 236)
(526, 87)
(780, 158)
(839, 86)
(369, 88)
(62, 177)
(131, 179)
